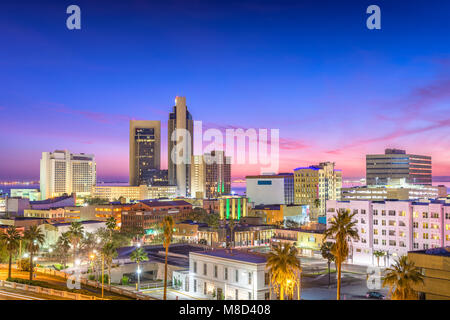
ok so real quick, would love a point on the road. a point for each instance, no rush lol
(13, 294)
(172, 294)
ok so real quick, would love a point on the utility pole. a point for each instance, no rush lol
(103, 272)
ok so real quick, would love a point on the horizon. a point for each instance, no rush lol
(281, 65)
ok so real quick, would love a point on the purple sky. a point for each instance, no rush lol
(335, 89)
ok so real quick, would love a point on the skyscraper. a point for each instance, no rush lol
(395, 165)
(218, 174)
(210, 175)
(145, 151)
(63, 172)
(180, 126)
(198, 176)
(314, 185)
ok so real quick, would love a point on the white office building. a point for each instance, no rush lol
(395, 227)
(65, 172)
(236, 275)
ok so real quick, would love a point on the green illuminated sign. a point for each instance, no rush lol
(223, 187)
(239, 208)
(228, 208)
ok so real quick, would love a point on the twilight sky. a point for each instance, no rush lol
(310, 68)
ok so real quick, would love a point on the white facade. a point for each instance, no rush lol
(238, 276)
(63, 172)
(265, 190)
(395, 227)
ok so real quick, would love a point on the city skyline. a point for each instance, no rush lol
(294, 76)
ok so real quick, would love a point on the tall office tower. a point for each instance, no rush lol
(314, 185)
(395, 165)
(63, 172)
(145, 151)
(218, 174)
(198, 177)
(179, 173)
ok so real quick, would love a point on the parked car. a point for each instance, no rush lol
(374, 295)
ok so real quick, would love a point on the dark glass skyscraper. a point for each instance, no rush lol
(145, 150)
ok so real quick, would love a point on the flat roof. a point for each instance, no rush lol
(443, 252)
(238, 255)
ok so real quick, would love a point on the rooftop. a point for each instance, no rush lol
(444, 252)
(157, 203)
(238, 255)
(51, 200)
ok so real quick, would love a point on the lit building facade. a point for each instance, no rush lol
(395, 227)
(232, 207)
(133, 193)
(270, 189)
(395, 192)
(63, 172)
(198, 177)
(314, 185)
(31, 194)
(394, 164)
(179, 173)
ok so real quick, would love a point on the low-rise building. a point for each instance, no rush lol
(222, 274)
(145, 214)
(279, 213)
(52, 231)
(30, 194)
(435, 267)
(268, 189)
(390, 192)
(307, 241)
(134, 193)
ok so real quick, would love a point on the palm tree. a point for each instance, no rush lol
(62, 247)
(168, 224)
(138, 256)
(76, 231)
(401, 277)
(111, 225)
(378, 254)
(109, 252)
(232, 226)
(285, 270)
(342, 229)
(11, 238)
(35, 239)
(325, 250)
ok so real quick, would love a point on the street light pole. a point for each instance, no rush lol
(103, 271)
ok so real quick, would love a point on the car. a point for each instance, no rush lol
(374, 295)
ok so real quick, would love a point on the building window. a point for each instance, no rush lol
(215, 271)
(425, 225)
(236, 275)
(266, 278)
(375, 241)
(195, 285)
(425, 235)
(416, 246)
(205, 269)
(195, 266)
(249, 296)
(250, 275)
(236, 294)
(425, 214)
(205, 288)
(415, 225)
(226, 274)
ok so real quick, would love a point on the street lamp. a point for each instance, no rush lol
(138, 271)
